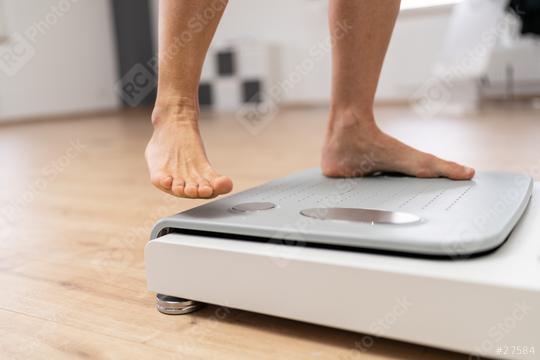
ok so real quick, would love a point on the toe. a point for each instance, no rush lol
(161, 181)
(452, 170)
(191, 189)
(458, 172)
(205, 190)
(469, 173)
(222, 185)
(178, 187)
(166, 182)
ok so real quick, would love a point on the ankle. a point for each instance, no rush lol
(346, 117)
(180, 110)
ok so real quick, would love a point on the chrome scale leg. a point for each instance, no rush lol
(171, 305)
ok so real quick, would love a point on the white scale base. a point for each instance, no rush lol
(475, 306)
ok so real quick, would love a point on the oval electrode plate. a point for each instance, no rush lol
(362, 215)
(253, 206)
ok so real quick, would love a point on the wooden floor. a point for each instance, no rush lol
(76, 210)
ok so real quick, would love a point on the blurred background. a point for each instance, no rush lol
(70, 56)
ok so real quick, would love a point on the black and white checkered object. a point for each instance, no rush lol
(234, 76)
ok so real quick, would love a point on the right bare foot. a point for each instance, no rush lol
(176, 157)
(355, 146)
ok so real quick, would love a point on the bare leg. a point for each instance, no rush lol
(175, 154)
(354, 145)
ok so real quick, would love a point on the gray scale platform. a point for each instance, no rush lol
(395, 213)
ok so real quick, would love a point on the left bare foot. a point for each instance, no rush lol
(357, 147)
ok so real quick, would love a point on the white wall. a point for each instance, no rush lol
(416, 44)
(66, 58)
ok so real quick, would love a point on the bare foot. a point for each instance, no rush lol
(359, 148)
(176, 157)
